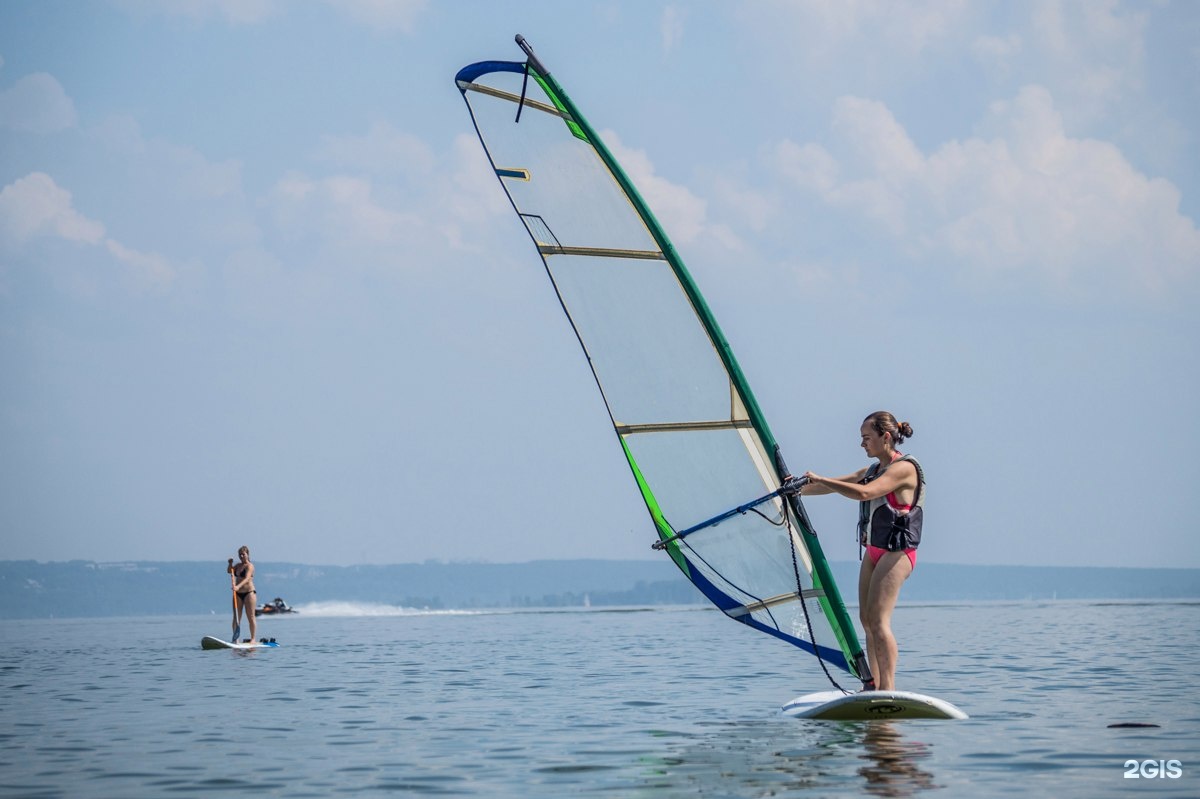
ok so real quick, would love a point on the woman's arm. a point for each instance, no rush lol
(815, 489)
(899, 475)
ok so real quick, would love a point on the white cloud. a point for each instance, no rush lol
(1090, 54)
(384, 15)
(882, 151)
(681, 212)
(1071, 214)
(36, 104)
(151, 269)
(36, 207)
(744, 205)
(381, 150)
(384, 220)
(869, 127)
(474, 196)
(235, 12)
(808, 166)
(998, 52)
(819, 29)
(824, 277)
(358, 212)
(342, 209)
(293, 190)
(190, 172)
(672, 28)
(181, 202)
(466, 209)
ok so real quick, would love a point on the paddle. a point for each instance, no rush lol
(237, 628)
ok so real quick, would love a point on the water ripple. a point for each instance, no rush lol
(542, 705)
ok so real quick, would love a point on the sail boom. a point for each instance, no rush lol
(720, 517)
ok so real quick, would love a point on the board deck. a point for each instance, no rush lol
(209, 642)
(870, 705)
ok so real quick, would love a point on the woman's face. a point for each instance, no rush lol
(874, 443)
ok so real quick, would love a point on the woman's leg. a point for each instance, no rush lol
(883, 590)
(252, 602)
(864, 591)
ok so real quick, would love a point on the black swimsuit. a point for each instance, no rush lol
(239, 571)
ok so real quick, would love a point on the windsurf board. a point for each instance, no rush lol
(869, 705)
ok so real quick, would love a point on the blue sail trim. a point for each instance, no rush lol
(726, 603)
(832, 656)
(470, 72)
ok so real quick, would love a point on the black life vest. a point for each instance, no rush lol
(881, 525)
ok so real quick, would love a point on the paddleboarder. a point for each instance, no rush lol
(244, 597)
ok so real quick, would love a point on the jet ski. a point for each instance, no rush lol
(275, 608)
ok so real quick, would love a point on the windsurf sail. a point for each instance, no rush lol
(695, 439)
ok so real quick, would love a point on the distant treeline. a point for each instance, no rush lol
(29, 589)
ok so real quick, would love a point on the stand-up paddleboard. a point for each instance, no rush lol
(208, 642)
(870, 705)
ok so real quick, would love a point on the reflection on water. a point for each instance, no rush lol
(892, 768)
(797, 758)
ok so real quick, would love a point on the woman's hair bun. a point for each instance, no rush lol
(883, 422)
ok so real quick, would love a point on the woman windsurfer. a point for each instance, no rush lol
(891, 493)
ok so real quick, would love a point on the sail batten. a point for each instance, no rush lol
(681, 427)
(770, 602)
(512, 98)
(601, 252)
(690, 429)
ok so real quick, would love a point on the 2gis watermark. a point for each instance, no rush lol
(1153, 769)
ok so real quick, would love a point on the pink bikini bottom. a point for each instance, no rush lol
(875, 553)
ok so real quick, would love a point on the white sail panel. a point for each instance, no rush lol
(653, 362)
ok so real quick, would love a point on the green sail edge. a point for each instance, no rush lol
(665, 531)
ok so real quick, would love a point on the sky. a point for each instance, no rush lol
(258, 286)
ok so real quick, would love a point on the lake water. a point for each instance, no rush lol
(651, 703)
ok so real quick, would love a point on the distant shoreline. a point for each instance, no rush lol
(83, 589)
(688, 608)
